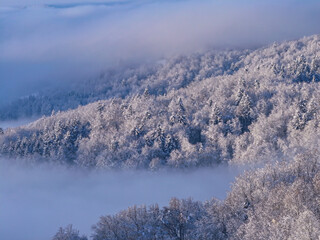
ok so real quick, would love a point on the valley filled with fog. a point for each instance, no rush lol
(38, 200)
(159, 120)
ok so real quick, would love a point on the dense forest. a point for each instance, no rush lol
(226, 108)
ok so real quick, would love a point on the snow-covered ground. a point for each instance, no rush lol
(35, 202)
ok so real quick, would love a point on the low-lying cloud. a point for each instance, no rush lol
(57, 41)
(35, 202)
(17, 123)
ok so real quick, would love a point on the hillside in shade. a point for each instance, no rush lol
(190, 111)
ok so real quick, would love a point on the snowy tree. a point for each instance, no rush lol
(68, 233)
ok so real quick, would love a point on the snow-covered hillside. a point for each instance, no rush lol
(160, 78)
(199, 110)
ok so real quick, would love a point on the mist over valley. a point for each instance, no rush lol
(162, 120)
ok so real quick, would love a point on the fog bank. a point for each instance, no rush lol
(53, 42)
(35, 202)
(16, 123)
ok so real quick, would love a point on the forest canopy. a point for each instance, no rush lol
(189, 111)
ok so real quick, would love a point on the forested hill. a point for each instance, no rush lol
(249, 107)
(122, 81)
